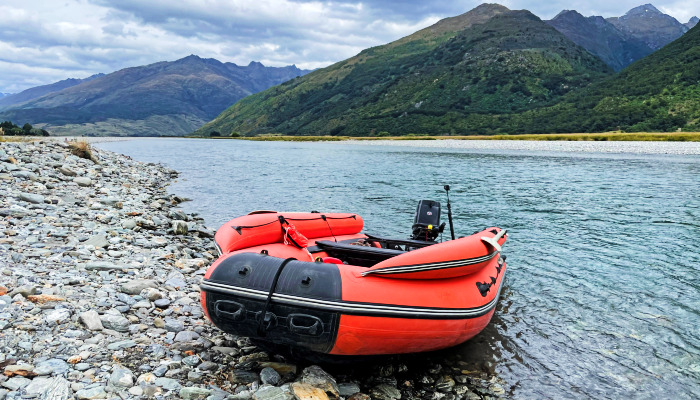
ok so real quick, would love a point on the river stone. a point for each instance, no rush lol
(121, 377)
(151, 294)
(53, 389)
(83, 181)
(174, 325)
(348, 389)
(65, 170)
(103, 266)
(168, 383)
(162, 303)
(208, 366)
(180, 227)
(115, 322)
(192, 360)
(129, 224)
(16, 383)
(136, 286)
(304, 391)
(272, 393)
(194, 393)
(51, 366)
(385, 392)
(123, 344)
(98, 241)
(186, 336)
(97, 392)
(315, 376)
(40, 384)
(31, 198)
(57, 316)
(270, 376)
(445, 383)
(91, 320)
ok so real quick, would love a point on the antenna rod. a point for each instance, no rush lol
(449, 212)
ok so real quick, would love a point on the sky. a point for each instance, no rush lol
(44, 41)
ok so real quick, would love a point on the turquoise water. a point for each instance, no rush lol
(603, 286)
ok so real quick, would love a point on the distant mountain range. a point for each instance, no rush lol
(620, 41)
(491, 70)
(658, 93)
(165, 98)
(4, 94)
(14, 100)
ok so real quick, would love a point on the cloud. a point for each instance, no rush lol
(42, 42)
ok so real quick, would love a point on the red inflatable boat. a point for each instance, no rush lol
(314, 281)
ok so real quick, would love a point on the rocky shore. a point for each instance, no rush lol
(99, 298)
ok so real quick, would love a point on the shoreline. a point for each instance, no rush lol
(99, 297)
(591, 137)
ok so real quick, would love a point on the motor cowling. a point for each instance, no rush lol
(426, 224)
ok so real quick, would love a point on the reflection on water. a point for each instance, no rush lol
(603, 289)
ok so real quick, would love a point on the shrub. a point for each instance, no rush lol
(82, 149)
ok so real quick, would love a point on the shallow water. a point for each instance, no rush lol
(603, 286)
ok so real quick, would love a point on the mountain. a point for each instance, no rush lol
(660, 92)
(649, 25)
(601, 38)
(692, 22)
(13, 100)
(4, 94)
(165, 98)
(438, 80)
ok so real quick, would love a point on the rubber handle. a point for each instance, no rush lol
(304, 324)
(237, 315)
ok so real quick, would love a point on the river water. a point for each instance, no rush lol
(602, 296)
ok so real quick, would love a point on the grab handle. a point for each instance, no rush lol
(494, 240)
(304, 324)
(235, 312)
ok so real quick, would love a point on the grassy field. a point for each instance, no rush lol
(608, 136)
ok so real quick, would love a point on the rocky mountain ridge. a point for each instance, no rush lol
(164, 98)
(14, 100)
(620, 41)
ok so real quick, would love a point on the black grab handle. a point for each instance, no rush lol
(304, 324)
(237, 315)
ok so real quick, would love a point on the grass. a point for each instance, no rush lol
(607, 136)
(4, 139)
(82, 149)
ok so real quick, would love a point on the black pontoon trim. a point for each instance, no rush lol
(358, 308)
(402, 269)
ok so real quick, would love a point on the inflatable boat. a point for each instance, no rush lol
(313, 281)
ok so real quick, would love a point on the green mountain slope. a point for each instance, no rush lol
(165, 98)
(660, 92)
(443, 79)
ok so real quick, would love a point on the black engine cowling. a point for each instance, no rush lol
(426, 224)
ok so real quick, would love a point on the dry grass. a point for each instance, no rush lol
(82, 149)
(607, 136)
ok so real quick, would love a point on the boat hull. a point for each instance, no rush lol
(334, 309)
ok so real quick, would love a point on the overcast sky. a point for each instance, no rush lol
(43, 41)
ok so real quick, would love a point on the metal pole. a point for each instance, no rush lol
(449, 212)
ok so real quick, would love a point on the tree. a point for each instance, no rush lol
(27, 128)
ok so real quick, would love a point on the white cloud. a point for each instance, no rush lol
(42, 42)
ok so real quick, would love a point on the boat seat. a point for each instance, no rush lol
(364, 256)
(407, 243)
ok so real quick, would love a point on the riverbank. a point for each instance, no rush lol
(608, 136)
(100, 298)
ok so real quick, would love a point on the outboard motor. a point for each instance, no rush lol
(426, 225)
